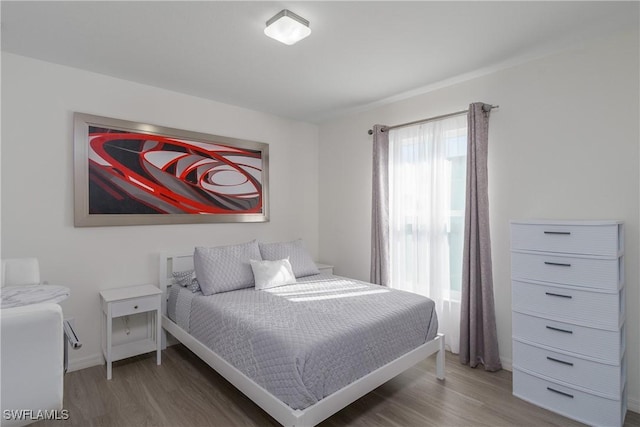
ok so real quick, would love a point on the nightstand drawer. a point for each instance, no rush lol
(570, 304)
(325, 268)
(605, 378)
(604, 240)
(596, 273)
(597, 343)
(135, 305)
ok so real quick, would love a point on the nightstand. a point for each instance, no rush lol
(124, 302)
(325, 268)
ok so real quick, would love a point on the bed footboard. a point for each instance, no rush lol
(326, 407)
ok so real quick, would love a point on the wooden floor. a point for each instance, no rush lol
(184, 391)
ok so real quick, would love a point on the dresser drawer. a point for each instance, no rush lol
(577, 404)
(577, 271)
(604, 240)
(603, 378)
(569, 304)
(597, 343)
(135, 305)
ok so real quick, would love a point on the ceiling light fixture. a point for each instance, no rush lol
(287, 27)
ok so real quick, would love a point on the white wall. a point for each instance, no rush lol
(564, 145)
(38, 101)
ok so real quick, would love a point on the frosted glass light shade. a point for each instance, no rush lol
(287, 27)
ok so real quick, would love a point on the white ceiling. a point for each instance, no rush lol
(359, 53)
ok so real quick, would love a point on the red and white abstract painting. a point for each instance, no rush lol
(139, 173)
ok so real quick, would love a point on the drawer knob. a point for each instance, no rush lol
(560, 392)
(559, 264)
(551, 294)
(564, 233)
(566, 331)
(564, 362)
(135, 307)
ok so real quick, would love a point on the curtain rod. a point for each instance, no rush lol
(485, 107)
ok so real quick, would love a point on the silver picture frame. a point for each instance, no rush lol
(128, 173)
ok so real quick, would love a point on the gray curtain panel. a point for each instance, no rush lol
(380, 208)
(478, 335)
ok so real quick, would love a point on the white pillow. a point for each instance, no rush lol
(269, 274)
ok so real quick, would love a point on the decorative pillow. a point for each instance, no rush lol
(269, 274)
(301, 262)
(225, 268)
(187, 279)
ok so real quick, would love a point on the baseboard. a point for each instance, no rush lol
(75, 364)
(633, 405)
(506, 364)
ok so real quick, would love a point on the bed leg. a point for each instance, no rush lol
(440, 359)
(163, 339)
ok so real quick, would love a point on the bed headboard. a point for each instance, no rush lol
(170, 262)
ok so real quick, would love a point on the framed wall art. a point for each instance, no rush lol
(129, 173)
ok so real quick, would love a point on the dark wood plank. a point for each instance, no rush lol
(184, 391)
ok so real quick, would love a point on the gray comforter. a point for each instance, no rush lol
(305, 341)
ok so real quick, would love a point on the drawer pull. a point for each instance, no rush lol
(564, 233)
(135, 307)
(566, 331)
(551, 294)
(559, 361)
(560, 392)
(560, 264)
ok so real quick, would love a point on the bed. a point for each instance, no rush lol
(302, 351)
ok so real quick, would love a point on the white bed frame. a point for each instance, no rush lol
(314, 414)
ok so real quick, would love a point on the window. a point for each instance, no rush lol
(427, 179)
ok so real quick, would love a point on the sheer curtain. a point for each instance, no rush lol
(427, 165)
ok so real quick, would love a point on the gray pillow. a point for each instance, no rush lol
(225, 268)
(299, 257)
(187, 279)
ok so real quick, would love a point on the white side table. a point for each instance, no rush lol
(325, 268)
(123, 302)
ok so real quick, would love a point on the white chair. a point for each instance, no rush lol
(31, 362)
(32, 356)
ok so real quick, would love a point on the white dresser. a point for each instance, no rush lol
(568, 301)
